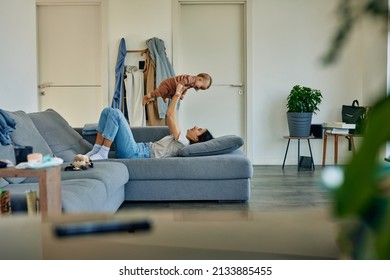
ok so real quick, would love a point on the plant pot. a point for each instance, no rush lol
(299, 123)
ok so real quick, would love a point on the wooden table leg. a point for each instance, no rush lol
(324, 149)
(336, 148)
(50, 191)
(352, 144)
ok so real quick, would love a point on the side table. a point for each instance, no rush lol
(336, 145)
(49, 186)
(299, 148)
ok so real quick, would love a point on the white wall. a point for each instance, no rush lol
(18, 63)
(289, 38)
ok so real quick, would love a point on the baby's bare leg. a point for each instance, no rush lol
(150, 97)
(146, 100)
(154, 94)
(162, 92)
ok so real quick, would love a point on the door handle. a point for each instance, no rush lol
(42, 88)
(44, 85)
(239, 85)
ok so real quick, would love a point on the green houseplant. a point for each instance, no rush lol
(302, 102)
(362, 200)
(363, 196)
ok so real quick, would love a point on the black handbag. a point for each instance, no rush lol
(354, 115)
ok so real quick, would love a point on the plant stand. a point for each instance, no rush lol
(299, 149)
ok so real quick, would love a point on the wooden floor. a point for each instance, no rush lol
(272, 189)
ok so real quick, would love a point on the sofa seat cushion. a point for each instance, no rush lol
(113, 174)
(83, 195)
(217, 146)
(26, 134)
(62, 139)
(234, 165)
(78, 195)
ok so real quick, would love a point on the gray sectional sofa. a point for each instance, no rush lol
(216, 171)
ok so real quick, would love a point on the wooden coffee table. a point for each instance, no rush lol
(308, 233)
(49, 186)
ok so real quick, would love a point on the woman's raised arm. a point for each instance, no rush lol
(172, 121)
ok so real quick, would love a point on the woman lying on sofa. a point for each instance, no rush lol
(113, 126)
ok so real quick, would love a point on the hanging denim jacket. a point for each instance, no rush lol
(117, 100)
(164, 69)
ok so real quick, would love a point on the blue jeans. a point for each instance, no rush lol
(114, 127)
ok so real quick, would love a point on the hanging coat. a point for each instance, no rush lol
(119, 91)
(150, 84)
(164, 69)
(134, 85)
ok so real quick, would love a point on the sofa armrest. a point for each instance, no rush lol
(90, 138)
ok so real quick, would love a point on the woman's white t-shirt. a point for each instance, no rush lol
(168, 146)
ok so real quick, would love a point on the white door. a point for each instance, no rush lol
(69, 59)
(211, 39)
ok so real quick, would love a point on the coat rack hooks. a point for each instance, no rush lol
(139, 51)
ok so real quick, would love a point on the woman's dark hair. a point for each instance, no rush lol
(205, 136)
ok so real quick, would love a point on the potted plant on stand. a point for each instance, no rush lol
(302, 102)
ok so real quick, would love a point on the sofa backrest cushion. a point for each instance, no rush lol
(217, 146)
(63, 140)
(149, 133)
(26, 134)
(7, 152)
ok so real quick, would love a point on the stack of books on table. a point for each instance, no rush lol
(338, 127)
